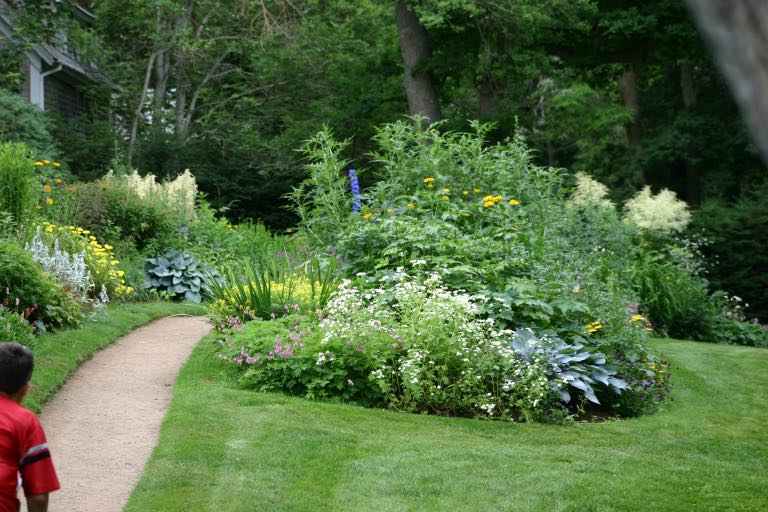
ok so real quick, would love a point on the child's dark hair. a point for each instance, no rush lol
(16, 363)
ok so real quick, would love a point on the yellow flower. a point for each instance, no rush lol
(447, 190)
(445, 198)
(593, 327)
(367, 215)
(47, 188)
(57, 180)
(49, 201)
(46, 162)
(465, 192)
(514, 202)
(114, 262)
(38, 164)
(56, 164)
(108, 247)
(410, 205)
(429, 180)
(489, 201)
(475, 190)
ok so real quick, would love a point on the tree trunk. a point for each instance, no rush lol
(737, 32)
(627, 84)
(487, 99)
(161, 87)
(692, 178)
(139, 107)
(414, 46)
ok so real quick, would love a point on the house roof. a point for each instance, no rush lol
(51, 54)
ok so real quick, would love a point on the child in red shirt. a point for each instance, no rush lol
(23, 448)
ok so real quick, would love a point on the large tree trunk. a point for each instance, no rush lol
(627, 85)
(692, 179)
(414, 46)
(737, 32)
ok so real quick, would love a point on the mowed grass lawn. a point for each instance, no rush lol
(225, 449)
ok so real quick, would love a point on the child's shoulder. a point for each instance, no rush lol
(11, 412)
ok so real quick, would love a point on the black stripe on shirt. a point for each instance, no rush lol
(35, 458)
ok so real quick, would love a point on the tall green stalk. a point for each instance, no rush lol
(19, 189)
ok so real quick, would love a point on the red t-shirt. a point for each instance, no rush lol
(23, 451)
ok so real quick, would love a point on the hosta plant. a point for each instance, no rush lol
(573, 364)
(177, 273)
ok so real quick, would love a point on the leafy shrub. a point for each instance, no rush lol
(23, 122)
(411, 344)
(90, 207)
(14, 327)
(676, 301)
(738, 233)
(282, 355)
(177, 273)
(42, 301)
(648, 381)
(18, 186)
(143, 221)
(502, 233)
(734, 332)
(219, 243)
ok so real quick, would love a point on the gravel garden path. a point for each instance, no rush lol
(103, 424)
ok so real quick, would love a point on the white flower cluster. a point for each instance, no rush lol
(589, 192)
(70, 269)
(179, 193)
(662, 212)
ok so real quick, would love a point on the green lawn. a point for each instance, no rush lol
(224, 449)
(57, 355)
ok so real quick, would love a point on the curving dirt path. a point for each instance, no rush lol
(103, 424)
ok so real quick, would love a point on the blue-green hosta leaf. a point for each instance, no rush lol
(601, 376)
(161, 271)
(617, 383)
(590, 394)
(193, 297)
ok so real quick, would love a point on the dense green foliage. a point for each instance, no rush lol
(21, 121)
(26, 289)
(18, 187)
(623, 90)
(737, 234)
(14, 326)
(458, 248)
